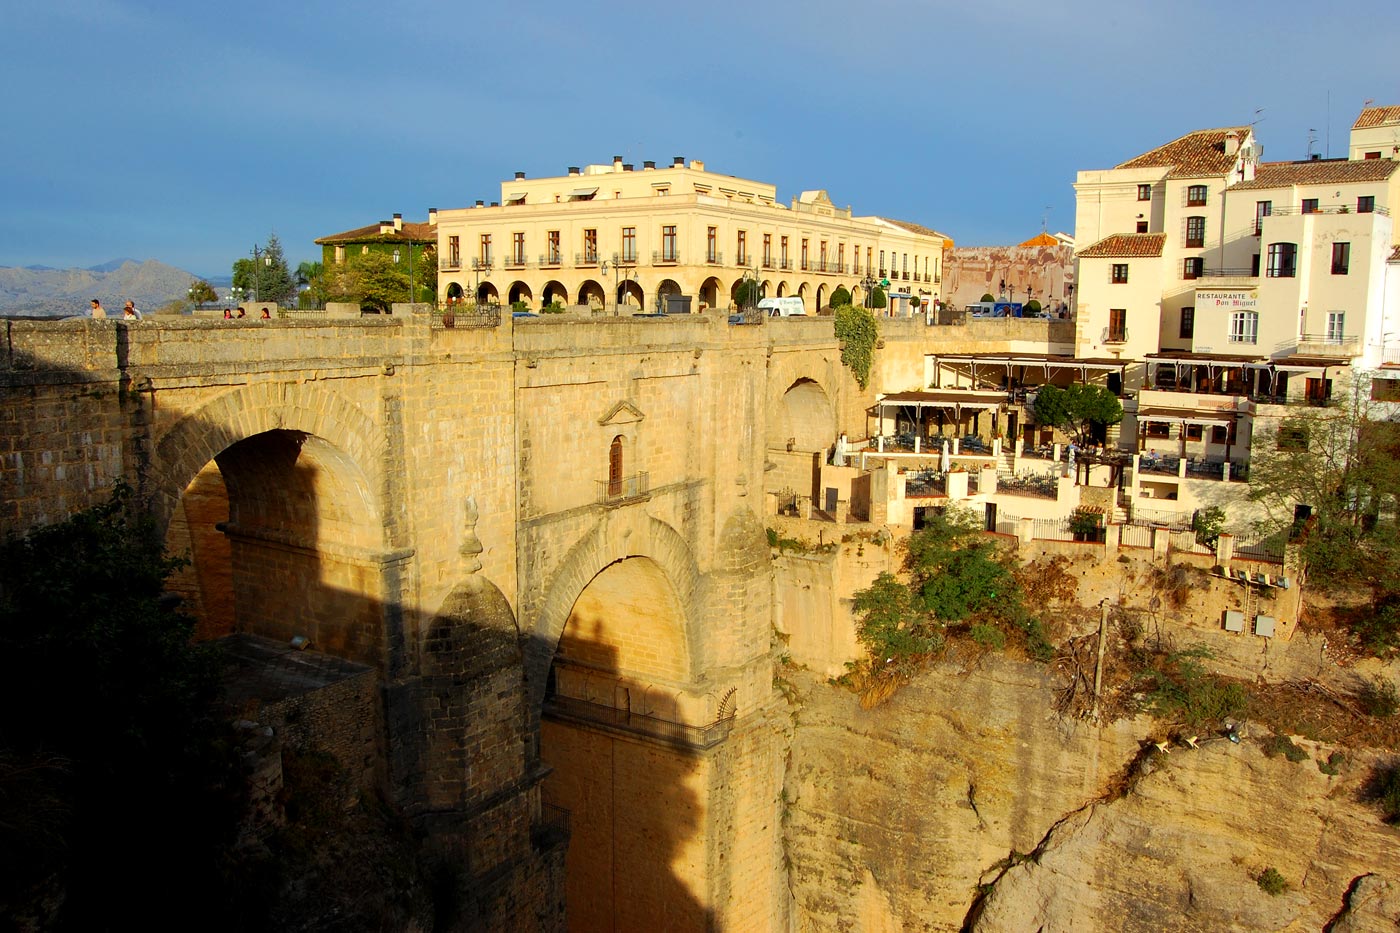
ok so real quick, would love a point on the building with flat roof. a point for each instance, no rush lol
(672, 238)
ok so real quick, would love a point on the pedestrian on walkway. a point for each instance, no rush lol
(97, 309)
(130, 312)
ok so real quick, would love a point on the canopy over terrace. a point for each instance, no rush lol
(1234, 375)
(957, 403)
(989, 366)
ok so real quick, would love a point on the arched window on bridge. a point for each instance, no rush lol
(615, 467)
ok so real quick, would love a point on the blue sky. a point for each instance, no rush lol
(186, 132)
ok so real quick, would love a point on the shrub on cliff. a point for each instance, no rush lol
(856, 329)
(107, 738)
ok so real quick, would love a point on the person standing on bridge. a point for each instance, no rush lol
(97, 309)
(130, 312)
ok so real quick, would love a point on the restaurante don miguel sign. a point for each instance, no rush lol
(1227, 300)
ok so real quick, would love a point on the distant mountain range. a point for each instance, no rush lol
(40, 290)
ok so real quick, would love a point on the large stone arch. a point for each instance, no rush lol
(187, 446)
(803, 417)
(618, 538)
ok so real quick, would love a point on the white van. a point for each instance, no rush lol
(791, 306)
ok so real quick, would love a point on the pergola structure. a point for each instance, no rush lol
(953, 402)
(979, 366)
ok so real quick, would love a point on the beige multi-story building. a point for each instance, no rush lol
(610, 236)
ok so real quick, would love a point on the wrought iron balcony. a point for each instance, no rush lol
(715, 259)
(458, 316)
(449, 264)
(517, 262)
(547, 261)
(624, 488)
(1115, 335)
(585, 259)
(665, 257)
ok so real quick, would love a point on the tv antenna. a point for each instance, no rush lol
(1312, 140)
(1045, 219)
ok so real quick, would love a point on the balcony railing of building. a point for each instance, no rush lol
(585, 259)
(715, 259)
(1329, 344)
(665, 257)
(551, 261)
(460, 316)
(1328, 209)
(624, 488)
(449, 263)
(516, 262)
(676, 733)
(1227, 272)
(482, 265)
(1115, 335)
(785, 264)
(767, 262)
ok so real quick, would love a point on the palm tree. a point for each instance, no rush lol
(308, 272)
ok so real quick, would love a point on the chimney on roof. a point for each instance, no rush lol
(398, 222)
(386, 226)
(1232, 142)
(627, 166)
(697, 165)
(617, 163)
(573, 170)
(495, 203)
(519, 176)
(432, 216)
(480, 203)
(678, 162)
(648, 166)
(1315, 157)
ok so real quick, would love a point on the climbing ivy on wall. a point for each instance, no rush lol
(857, 331)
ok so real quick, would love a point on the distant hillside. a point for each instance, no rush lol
(63, 292)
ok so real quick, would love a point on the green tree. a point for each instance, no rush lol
(857, 331)
(373, 279)
(840, 297)
(268, 278)
(955, 571)
(202, 292)
(1343, 462)
(1077, 408)
(108, 730)
(748, 292)
(877, 297)
(987, 296)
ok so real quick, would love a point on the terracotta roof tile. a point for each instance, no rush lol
(1319, 172)
(1126, 246)
(1376, 116)
(1395, 256)
(912, 227)
(418, 233)
(1040, 239)
(1195, 154)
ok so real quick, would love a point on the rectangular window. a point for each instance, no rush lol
(590, 246)
(1283, 260)
(855, 260)
(1120, 273)
(554, 252)
(1336, 326)
(904, 265)
(783, 245)
(1188, 322)
(1365, 204)
(822, 254)
(1373, 155)
(668, 243)
(1196, 196)
(840, 257)
(1223, 434)
(1254, 266)
(1192, 267)
(712, 244)
(517, 249)
(1159, 429)
(1142, 226)
(767, 250)
(1144, 192)
(1244, 327)
(454, 251)
(1195, 232)
(486, 255)
(1341, 258)
(1194, 432)
(743, 247)
(882, 262)
(804, 252)
(340, 254)
(1317, 390)
(1293, 435)
(629, 244)
(1262, 209)
(1385, 390)
(869, 252)
(1309, 205)
(1117, 325)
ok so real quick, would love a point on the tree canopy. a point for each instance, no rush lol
(1075, 409)
(840, 297)
(858, 333)
(373, 279)
(268, 279)
(877, 297)
(202, 292)
(747, 293)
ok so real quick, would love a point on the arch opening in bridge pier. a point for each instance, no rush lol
(592, 294)
(625, 759)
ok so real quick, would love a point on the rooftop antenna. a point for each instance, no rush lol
(1257, 119)
(1312, 140)
(1329, 123)
(1045, 219)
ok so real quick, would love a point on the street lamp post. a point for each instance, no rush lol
(259, 253)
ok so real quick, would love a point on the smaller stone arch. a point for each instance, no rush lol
(486, 294)
(630, 293)
(782, 290)
(519, 291)
(765, 288)
(553, 291)
(665, 290)
(454, 293)
(821, 296)
(709, 292)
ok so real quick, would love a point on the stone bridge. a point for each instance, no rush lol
(546, 537)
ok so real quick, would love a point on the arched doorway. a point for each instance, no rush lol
(803, 417)
(454, 293)
(782, 290)
(519, 291)
(621, 665)
(591, 293)
(630, 293)
(486, 294)
(709, 292)
(765, 288)
(821, 297)
(667, 289)
(554, 292)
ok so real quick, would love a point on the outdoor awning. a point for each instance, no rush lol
(1027, 359)
(513, 198)
(1185, 416)
(582, 194)
(953, 401)
(1300, 364)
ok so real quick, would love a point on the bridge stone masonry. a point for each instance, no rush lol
(545, 537)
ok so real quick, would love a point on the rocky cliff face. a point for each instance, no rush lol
(965, 803)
